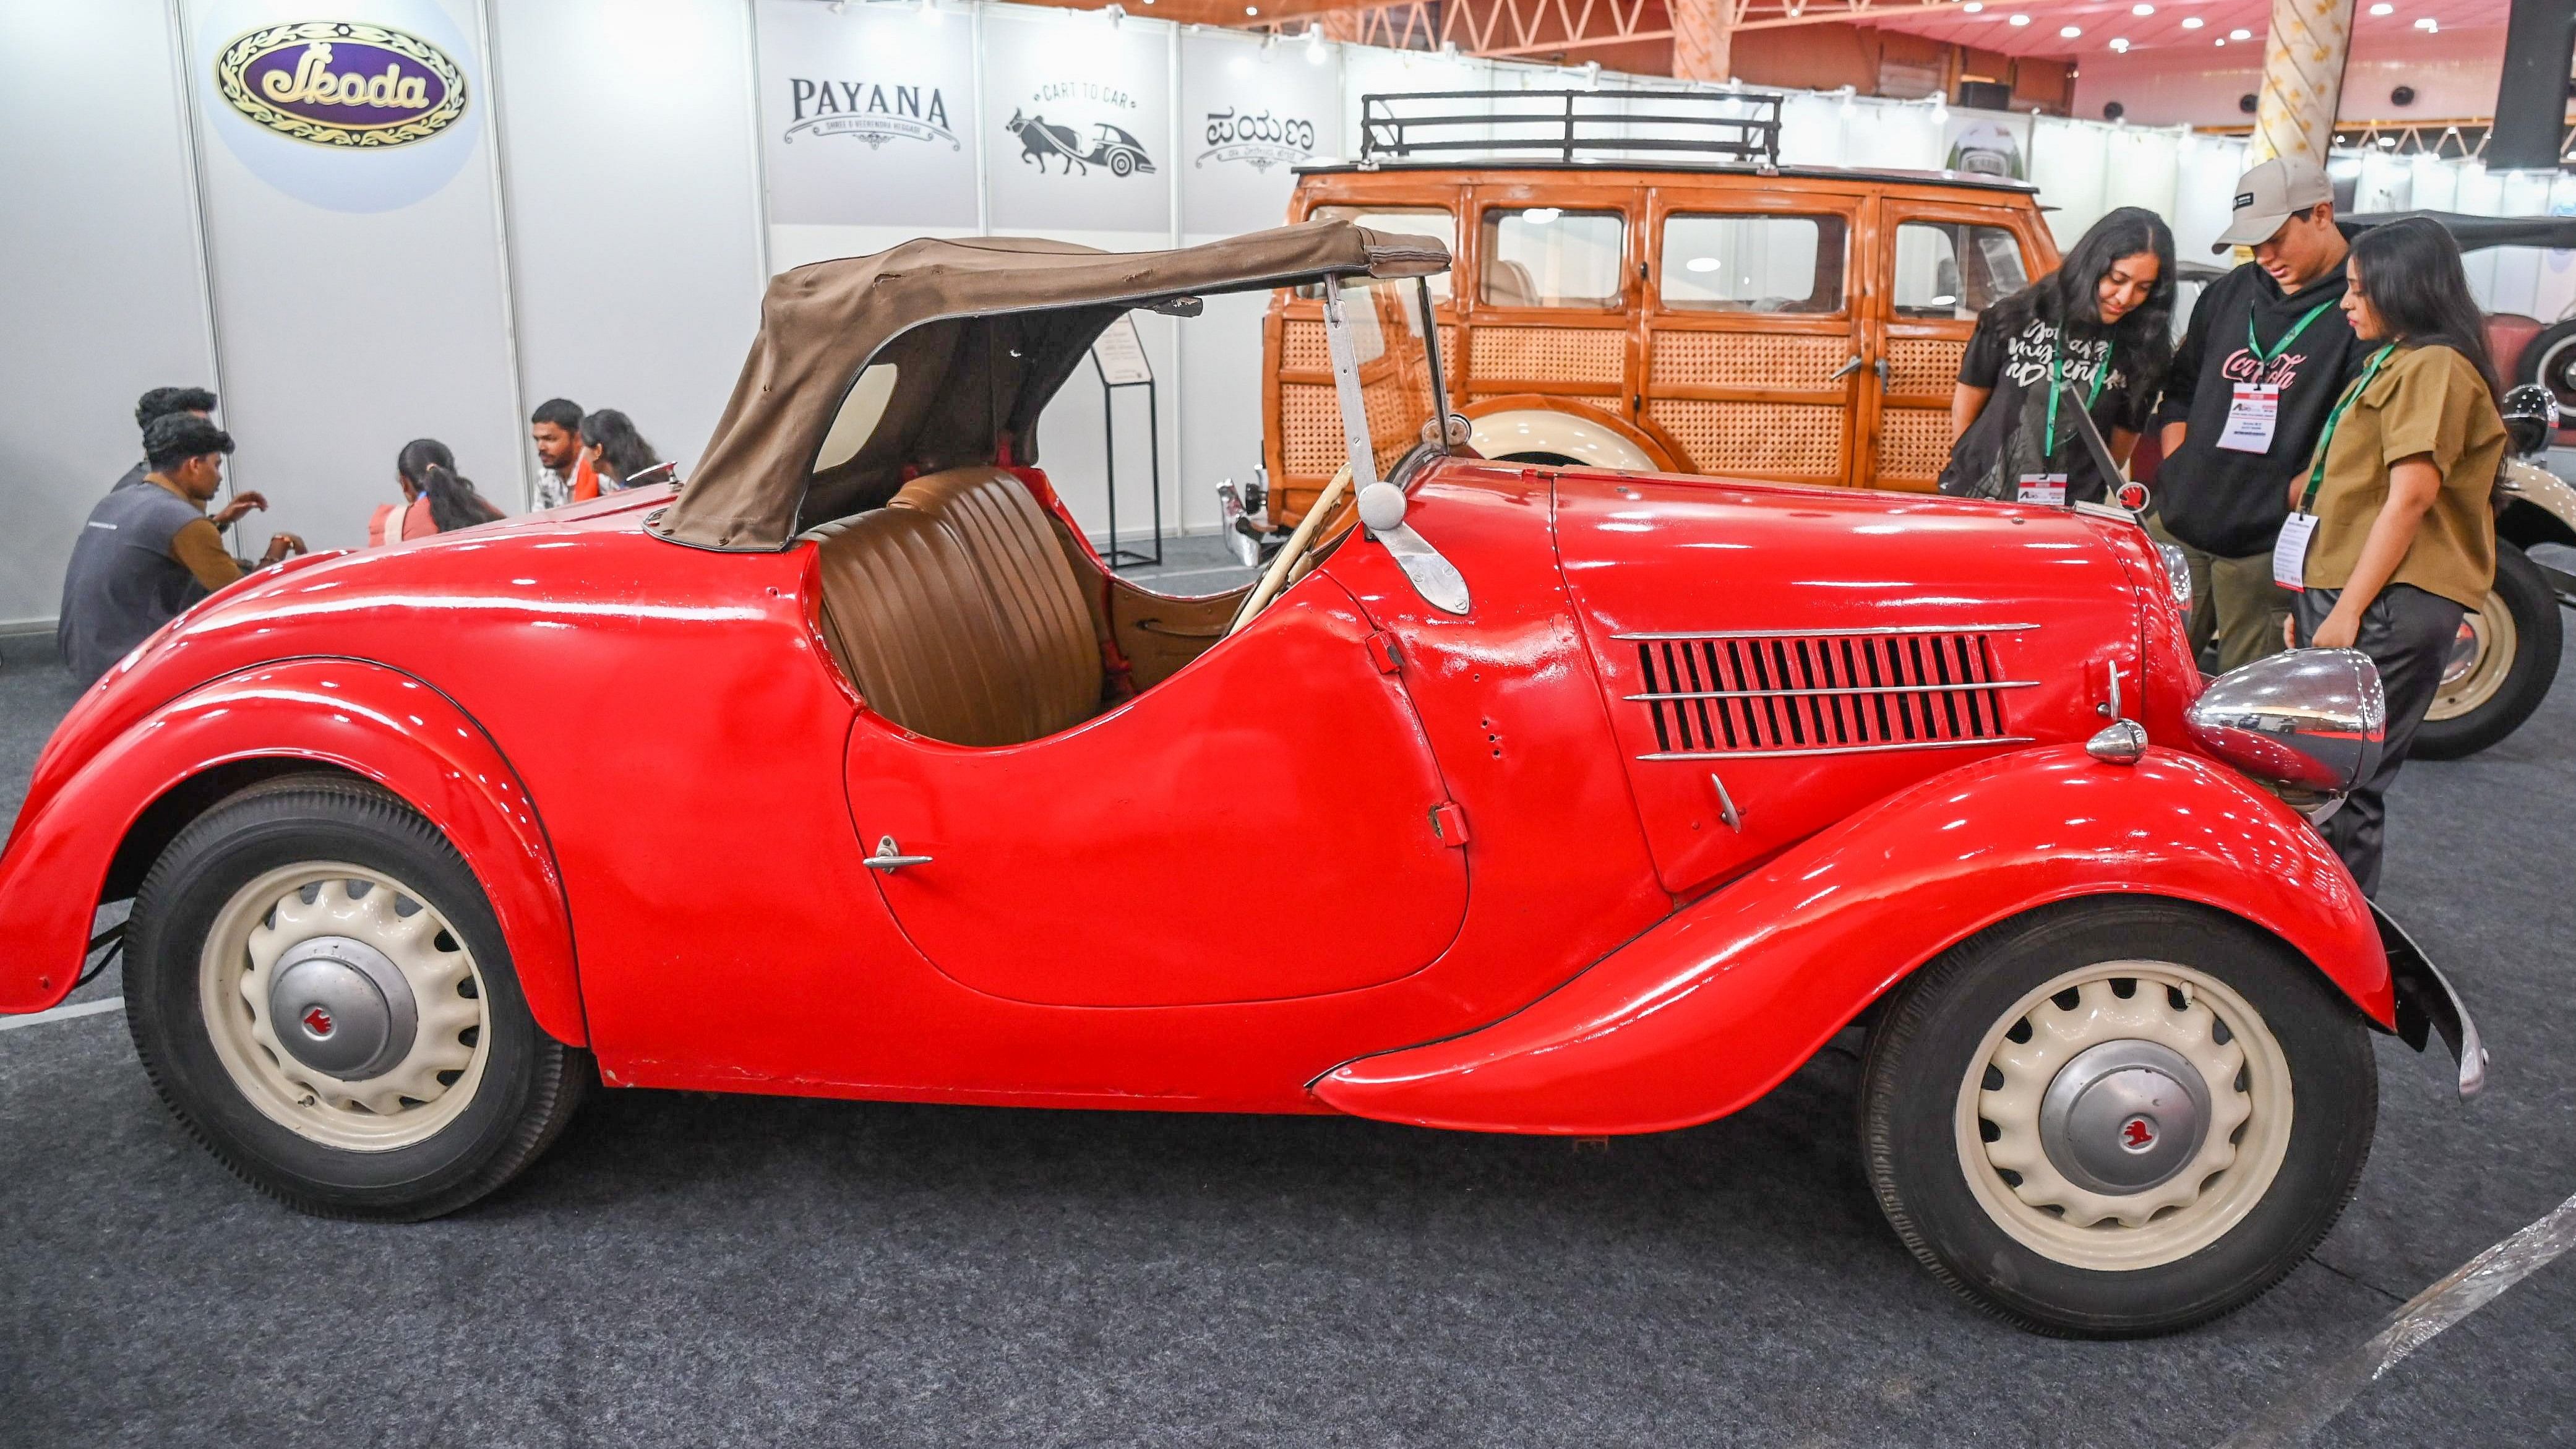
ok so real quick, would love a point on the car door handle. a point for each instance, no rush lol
(1881, 366)
(890, 856)
(1847, 369)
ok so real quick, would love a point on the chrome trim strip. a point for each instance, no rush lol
(1786, 635)
(1838, 749)
(1886, 689)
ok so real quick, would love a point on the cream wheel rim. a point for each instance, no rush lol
(301, 933)
(2026, 1165)
(2481, 657)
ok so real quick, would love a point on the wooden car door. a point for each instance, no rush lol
(1265, 824)
(1753, 347)
(1938, 264)
(1550, 298)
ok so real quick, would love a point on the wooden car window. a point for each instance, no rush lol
(1545, 256)
(1753, 262)
(1954, 269)
(1430, 221)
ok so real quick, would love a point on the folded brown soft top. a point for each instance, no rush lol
(980, 332)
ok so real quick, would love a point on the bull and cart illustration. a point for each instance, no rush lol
(1110, 146)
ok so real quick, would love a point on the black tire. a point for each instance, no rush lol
(2537, 637)
(2549, 359)
(1541, 459)
(1919, 1052)
(529, 1086)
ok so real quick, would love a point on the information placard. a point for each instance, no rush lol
(1120, 353)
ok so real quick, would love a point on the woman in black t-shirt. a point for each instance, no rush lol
(2102, 324)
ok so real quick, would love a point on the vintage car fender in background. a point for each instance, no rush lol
(1719, 1002)
(1535, 428)
(370, 721)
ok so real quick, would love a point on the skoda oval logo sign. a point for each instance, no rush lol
(342, 83)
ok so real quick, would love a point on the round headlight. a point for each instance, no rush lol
(2177, 573)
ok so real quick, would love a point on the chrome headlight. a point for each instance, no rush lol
(2177, 573)
(2309, 723)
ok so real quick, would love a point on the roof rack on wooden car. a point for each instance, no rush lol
(1569, 126)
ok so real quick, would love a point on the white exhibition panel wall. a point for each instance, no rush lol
(359, 296)
(94, 313)
(634, 229)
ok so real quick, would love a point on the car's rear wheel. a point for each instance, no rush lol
(2116, 1117)
(321, 993)
(2501, 666)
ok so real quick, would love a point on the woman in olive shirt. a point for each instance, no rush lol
(2403, 540)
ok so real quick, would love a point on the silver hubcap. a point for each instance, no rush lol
(2124, 1116)
(339, 1006)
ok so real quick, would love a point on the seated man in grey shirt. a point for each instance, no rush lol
(149, 551)
(160, 403)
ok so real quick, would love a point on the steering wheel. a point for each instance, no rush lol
(1300, 544)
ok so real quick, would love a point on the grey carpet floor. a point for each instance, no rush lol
(699, 1270)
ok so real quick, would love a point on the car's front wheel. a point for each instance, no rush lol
(2501, 665)
(321, 993)
(2116, 1117)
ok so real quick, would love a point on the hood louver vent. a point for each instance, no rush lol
(1740, 694)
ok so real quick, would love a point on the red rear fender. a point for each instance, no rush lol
(1716, 1005)
(371, 721)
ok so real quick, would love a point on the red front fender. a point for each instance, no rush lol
(364, 718)
(1716, 1005)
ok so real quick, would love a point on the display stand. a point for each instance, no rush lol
(1118, 355)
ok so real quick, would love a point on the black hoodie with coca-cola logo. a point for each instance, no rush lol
(2231, 503)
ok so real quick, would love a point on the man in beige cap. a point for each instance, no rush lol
(2267, 354)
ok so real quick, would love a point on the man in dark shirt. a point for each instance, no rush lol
(2268, 352)
(150, 551)
(161, 402)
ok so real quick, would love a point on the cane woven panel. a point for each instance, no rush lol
(1913, 442)
(1302, 347)
(1923, 364)
(1551, 354)
(1782, 362)
(1310, 426)
(1745, 437)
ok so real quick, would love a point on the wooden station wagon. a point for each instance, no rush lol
(1640, 284)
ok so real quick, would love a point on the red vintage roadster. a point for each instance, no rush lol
(1575, 802)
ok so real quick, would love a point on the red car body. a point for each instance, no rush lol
(1364, 856)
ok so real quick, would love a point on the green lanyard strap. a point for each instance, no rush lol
(2317, 471)
(2288, 337)
(2057, 384)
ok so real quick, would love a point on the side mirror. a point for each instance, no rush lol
(2530, 419)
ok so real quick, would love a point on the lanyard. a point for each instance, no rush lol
(2288, 337)
(2057, 383)
(2317, 472)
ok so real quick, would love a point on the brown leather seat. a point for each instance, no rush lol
(956, 614)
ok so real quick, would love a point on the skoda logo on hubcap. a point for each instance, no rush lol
(2139, 1134)
(317, 1021)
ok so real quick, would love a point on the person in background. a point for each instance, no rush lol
(2390, 537)
(161, 402)
(614, 449)
(2101, 326)
(555, 427)
(150, 551)
(2267, 352)
(435, 498)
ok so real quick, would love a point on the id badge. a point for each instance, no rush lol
(2290, 552)
(2042, 488)
(2251, 414)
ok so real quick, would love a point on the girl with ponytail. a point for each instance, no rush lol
(436, 499)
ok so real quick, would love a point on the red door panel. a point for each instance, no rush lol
(1257, 827)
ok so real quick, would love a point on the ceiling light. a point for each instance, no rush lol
(2193, 22)
(2142, 10)
(2222, 40)
(1974, 6)
(2383, 8)
(2429, 24)
(2388, 143)
(2021, 20)
(1251, 9)
(2069, 32)
(2119, 45)
(2240, 34)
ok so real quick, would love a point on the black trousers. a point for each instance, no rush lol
(2408, 633)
